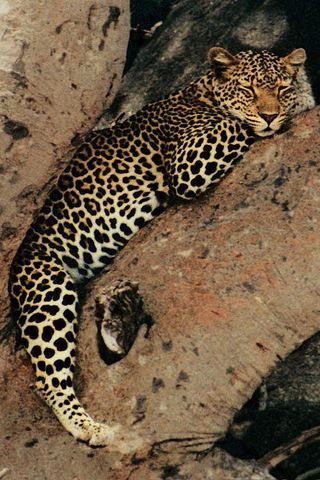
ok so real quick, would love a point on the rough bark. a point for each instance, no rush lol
(282, 421)
(60, 66)
(215, 466)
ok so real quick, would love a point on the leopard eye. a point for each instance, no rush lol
(283, 89)
(247, 90)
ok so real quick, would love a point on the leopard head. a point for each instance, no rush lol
(258, 88)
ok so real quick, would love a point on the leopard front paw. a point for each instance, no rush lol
(115, 438)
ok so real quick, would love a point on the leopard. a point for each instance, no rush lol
(120, 178)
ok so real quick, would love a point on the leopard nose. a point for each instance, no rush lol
(268, 118)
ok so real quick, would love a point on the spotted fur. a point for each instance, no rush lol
(119, 179)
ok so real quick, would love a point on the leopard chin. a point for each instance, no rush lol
(268, 132)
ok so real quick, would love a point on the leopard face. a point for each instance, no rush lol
(257, 88)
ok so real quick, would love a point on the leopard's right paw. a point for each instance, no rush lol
(101, 435)
(115, 438)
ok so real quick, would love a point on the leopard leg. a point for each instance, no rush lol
(45, 297)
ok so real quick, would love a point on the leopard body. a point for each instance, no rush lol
(122, 177)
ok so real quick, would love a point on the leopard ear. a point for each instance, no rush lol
(221, 61)
(294, 60)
